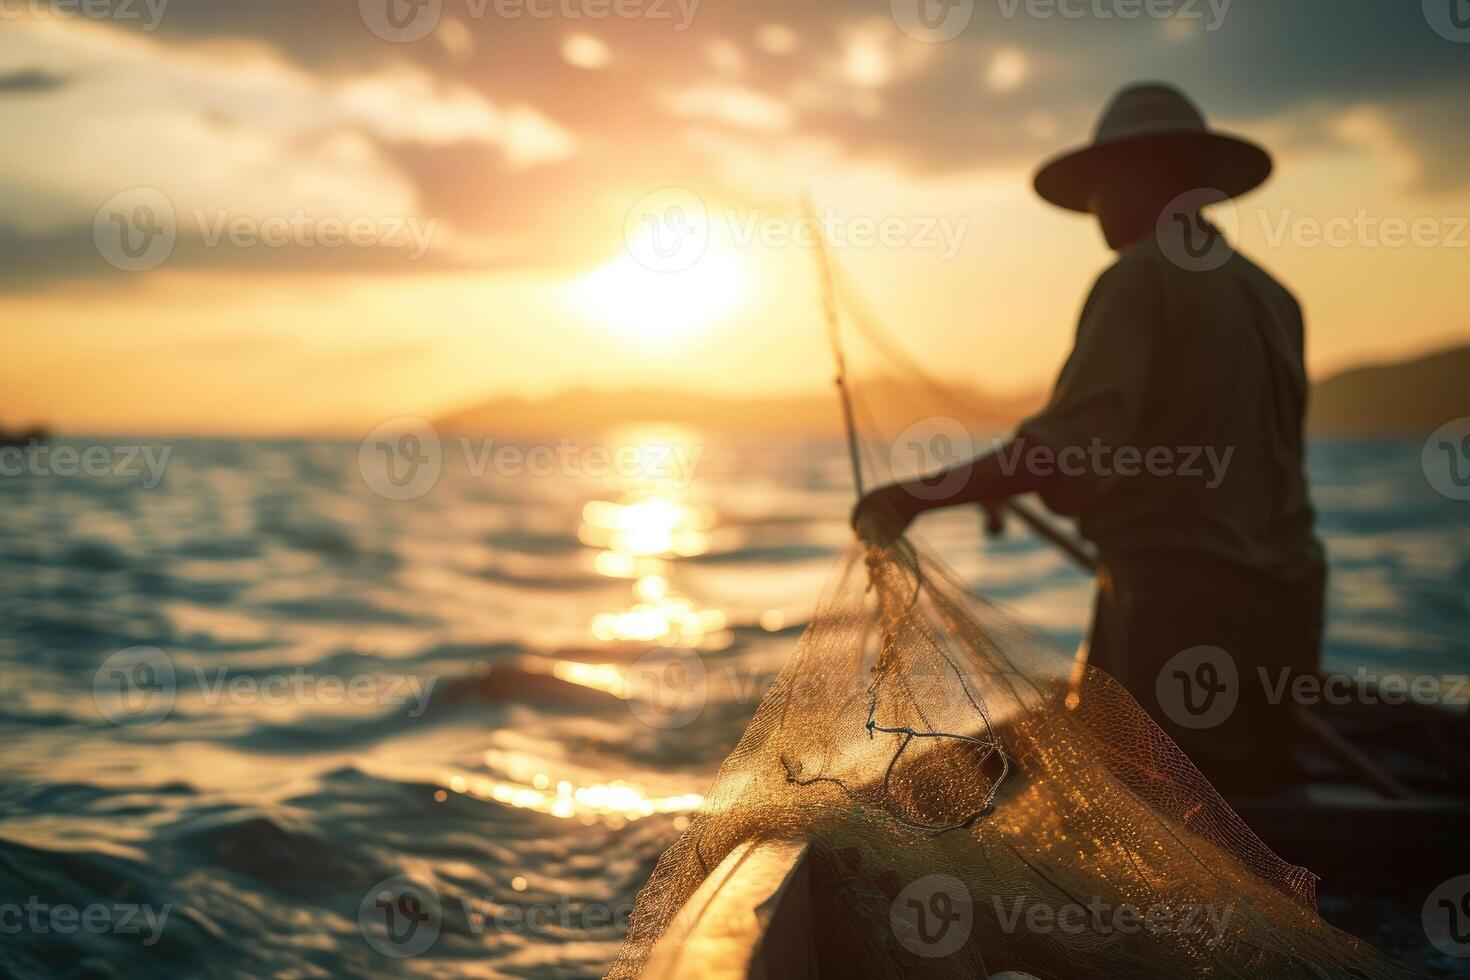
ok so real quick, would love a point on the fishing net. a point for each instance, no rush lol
(976, 800)
(958, 777)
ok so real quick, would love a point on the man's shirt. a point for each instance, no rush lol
(1182, 403)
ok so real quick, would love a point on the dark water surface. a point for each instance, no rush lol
(237, 702)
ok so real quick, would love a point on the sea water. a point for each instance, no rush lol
(249, 692)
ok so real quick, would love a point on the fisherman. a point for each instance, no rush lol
(1211, 584)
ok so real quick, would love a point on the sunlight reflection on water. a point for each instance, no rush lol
(641, 536)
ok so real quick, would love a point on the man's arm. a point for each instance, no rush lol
(1098, 399)
(987, 481)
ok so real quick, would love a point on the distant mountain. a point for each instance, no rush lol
(1415, 396)
(892, 405)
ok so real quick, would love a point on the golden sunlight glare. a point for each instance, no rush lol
(656, 305)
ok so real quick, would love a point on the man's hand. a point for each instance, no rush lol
(882, 516)
(995, 516)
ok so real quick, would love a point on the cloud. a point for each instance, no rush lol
(1431, 129)
(246, 92)
(853, 76)
(1006, 70)
(523, 135)
(228, 127)
(732, 105)
(585, 51)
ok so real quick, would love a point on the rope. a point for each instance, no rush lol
(991, 744)
(834, 335)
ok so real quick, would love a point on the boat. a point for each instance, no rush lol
(1372, 821)
(1382, 812)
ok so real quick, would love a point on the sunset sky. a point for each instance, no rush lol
(500, 169)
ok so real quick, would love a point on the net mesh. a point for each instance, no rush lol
(976, 800)
(949, 766)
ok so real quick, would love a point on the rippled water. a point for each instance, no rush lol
(238, 702)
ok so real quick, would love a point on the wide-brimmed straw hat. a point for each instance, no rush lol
(1158, 115)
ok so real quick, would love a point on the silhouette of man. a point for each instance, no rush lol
(1174, 435)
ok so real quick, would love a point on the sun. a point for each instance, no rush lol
(654, 304)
